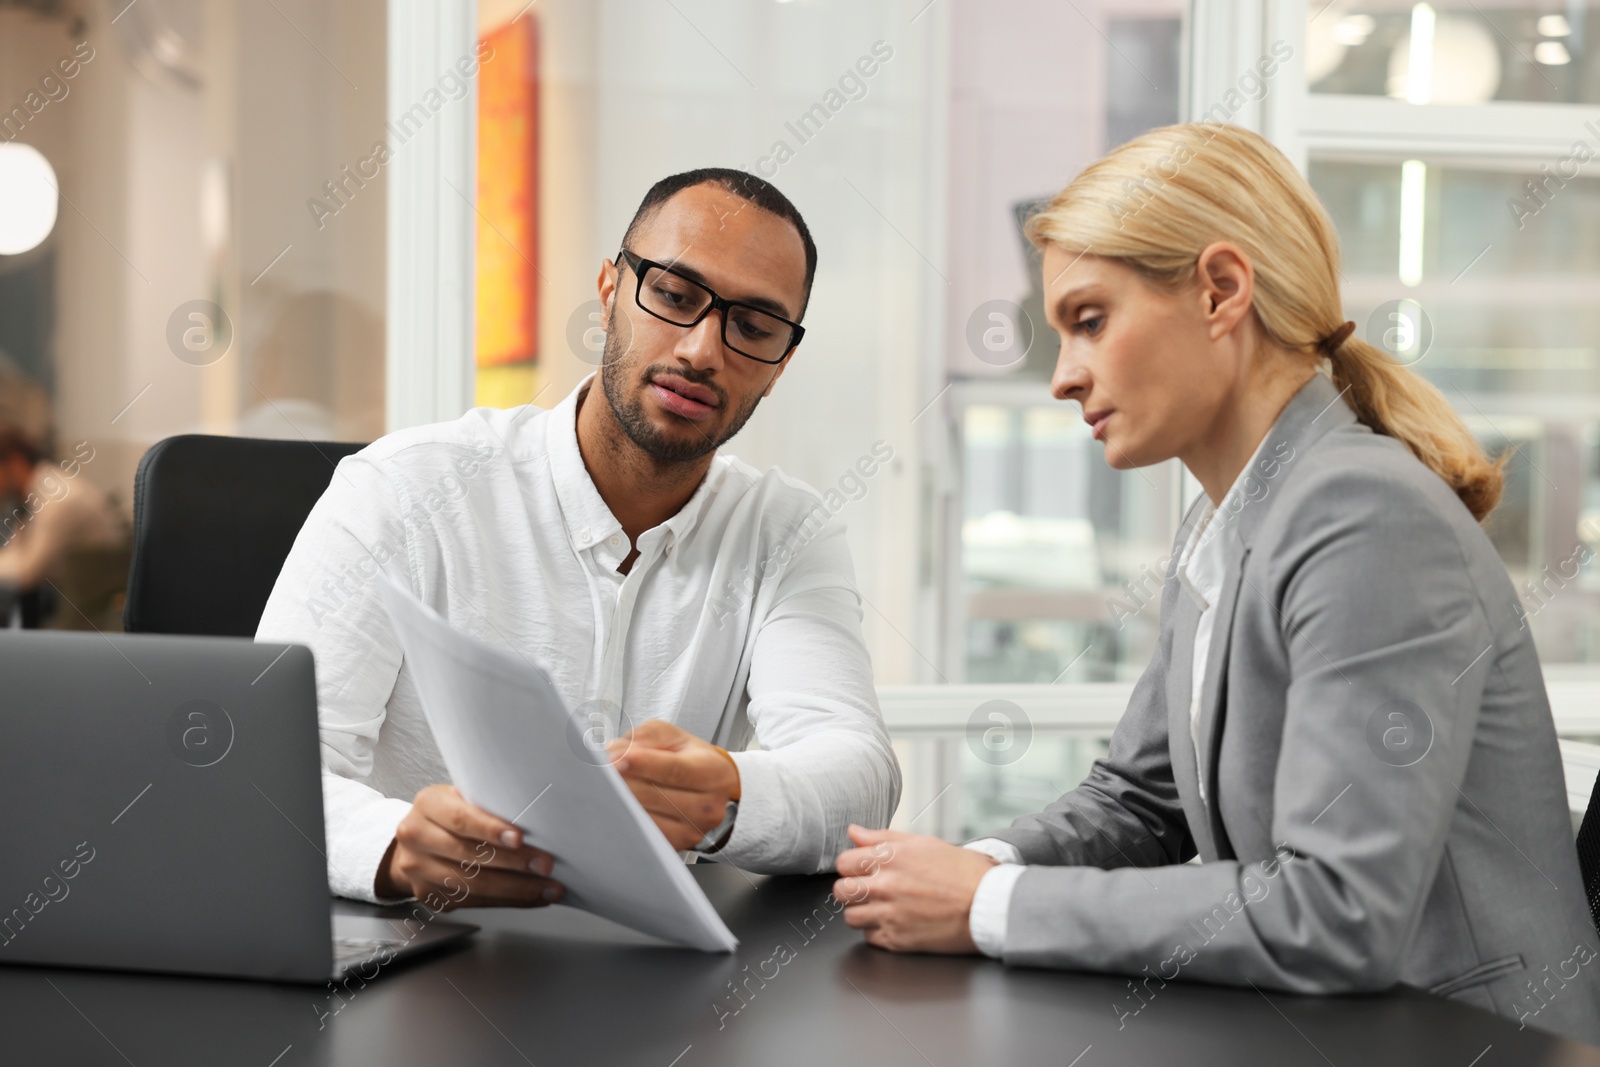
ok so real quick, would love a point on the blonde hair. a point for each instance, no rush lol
(1157, 201)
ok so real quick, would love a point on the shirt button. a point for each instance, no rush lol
(614, 541)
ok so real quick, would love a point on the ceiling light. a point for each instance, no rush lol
(28, 198)
(1463, 61)
(1419, 76)
(214, 211)
(1413, 204)
(1324, 51)
(1554, 26)
(1353, 29)
(1551, 54)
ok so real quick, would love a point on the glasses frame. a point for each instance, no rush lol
(641, 266)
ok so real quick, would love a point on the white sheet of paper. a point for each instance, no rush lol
(515, 750)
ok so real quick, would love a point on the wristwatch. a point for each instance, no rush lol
(718, 835)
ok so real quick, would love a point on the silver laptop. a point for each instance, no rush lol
(162, 799)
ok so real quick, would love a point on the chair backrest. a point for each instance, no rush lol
(1589, 853)
(213, 520)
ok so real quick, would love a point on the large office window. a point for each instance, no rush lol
(1452, 148)
(1501, 313)
(1456, 53)
(1048, 584)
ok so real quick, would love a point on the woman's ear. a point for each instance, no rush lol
(1227, 286)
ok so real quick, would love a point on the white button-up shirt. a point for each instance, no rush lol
(1202, 565)
(738, 622)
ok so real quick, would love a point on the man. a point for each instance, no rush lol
(682, 602)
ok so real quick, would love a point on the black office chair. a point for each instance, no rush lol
(1589, 853)
(213, 520)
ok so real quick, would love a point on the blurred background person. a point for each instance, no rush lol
(63, 542)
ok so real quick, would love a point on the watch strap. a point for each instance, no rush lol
(718, 835)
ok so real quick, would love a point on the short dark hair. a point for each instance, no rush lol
(758, 191)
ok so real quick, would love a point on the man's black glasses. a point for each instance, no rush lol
(678, 299)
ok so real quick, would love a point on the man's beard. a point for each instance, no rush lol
(615, 372)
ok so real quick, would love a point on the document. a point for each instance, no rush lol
(514, 749)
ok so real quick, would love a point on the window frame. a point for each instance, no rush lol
(1303, 123)
(432, 220)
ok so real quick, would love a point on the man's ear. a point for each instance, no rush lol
(606, 283)
(1227, 287)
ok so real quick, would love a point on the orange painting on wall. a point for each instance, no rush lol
(508, 197)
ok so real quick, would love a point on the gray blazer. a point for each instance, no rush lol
(1385, 797)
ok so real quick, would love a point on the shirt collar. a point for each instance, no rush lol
(588, 519)
(1201, 565)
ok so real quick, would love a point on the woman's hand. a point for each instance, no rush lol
(908, 892)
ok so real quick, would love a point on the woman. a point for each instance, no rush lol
(1344, 717)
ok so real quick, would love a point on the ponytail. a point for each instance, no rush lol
(1396, 401)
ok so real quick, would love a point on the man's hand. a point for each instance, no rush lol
(683, 782)
(452, 854)
(910, 893)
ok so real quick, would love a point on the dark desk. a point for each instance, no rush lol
(559, 987)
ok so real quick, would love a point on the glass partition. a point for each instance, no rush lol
(1056, 575)
(192, 240)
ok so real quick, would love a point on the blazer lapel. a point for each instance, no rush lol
(1180, 739)
(1209, 726)
(1317, 409)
